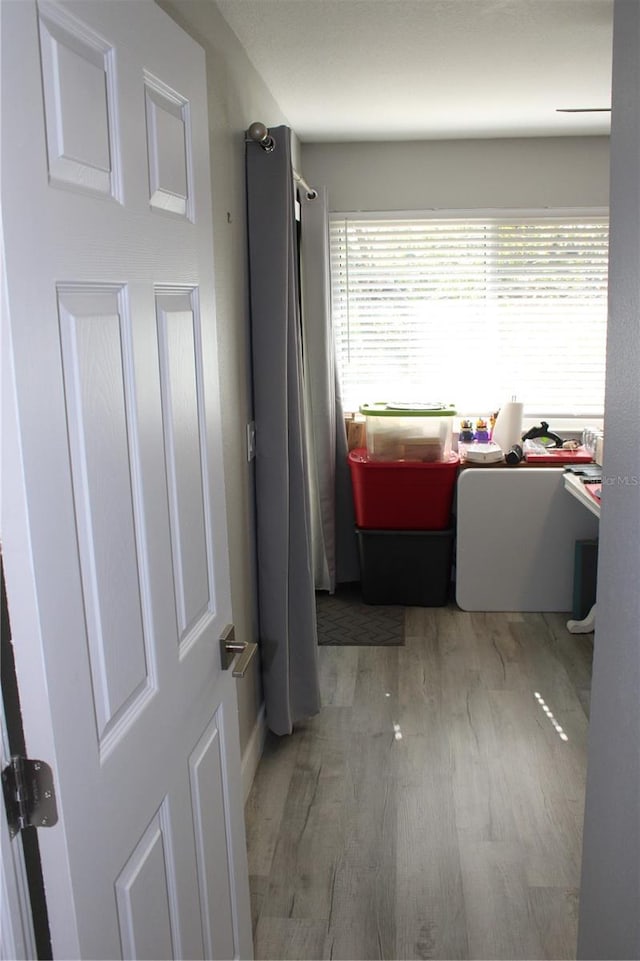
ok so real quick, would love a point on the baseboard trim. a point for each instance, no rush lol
(253, 752)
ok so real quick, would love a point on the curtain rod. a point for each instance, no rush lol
(260, 135)
(312, 193)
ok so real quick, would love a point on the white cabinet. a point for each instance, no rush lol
(516, 529)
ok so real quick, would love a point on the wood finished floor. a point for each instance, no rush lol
(431, 810)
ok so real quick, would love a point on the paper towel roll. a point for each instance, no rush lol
(507, 430)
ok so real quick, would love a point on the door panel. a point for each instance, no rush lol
(94, 331)
(180, 366)
(169, 147)
(115, 525)
(208, 793)
(77, 77)
(146, 888)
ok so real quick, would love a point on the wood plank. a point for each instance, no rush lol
(376, 690)
(499, 651)
(338, 670)
(311, 842)
(545, 661)
(575, 653)
(500, 921)
(362, 921)
(290, 939)
(258, 887)
(480, 784)
(419, 677)
(555, 913)
(558, 704)
(419, 622)
(430, 913)
(545, 818)
(266, 801)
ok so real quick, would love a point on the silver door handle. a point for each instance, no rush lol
(229, 647)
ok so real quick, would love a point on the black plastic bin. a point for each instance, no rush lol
(405, 567)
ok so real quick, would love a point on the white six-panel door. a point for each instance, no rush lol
(114, 525)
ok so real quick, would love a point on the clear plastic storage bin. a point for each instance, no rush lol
(412, 433)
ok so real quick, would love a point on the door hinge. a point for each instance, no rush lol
(29, 795)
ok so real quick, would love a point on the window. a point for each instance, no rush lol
(472, 311)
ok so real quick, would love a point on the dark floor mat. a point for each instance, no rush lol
(344, 618)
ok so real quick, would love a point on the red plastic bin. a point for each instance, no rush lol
(402, 495)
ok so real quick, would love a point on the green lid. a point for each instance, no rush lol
(384, 409)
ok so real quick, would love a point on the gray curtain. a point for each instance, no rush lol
(286, 596)
(319, 383)
(334, 546)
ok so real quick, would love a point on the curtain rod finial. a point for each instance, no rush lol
(260, 133)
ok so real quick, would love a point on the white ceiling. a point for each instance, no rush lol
(346, 70)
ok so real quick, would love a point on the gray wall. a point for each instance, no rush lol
(610, 896)
(237, 96)
(458, 174)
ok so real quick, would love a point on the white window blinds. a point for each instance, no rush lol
(472, 311)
